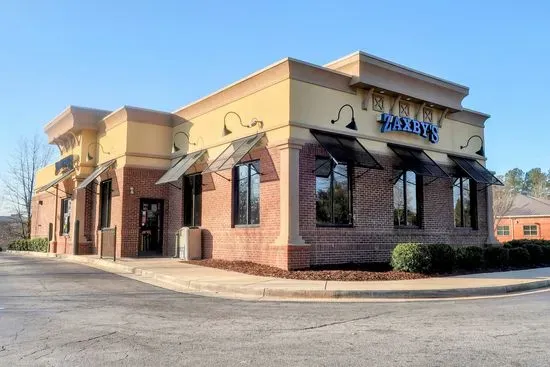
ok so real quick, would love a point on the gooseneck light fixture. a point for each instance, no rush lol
(90, 157)
(253, 122)
(176, 148)
(352, 125)
(481, 150)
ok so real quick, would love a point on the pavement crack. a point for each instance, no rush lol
(334, 323)
(89, 339)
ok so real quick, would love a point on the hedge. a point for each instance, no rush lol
(469, 257)
(438, 258)
(34, 244)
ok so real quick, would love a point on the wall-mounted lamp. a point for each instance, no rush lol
(253, 122)
(131, 190)
(176, 148)
(90, 157)
(352, 125)
(481, 150)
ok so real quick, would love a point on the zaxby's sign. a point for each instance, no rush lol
(408, 125)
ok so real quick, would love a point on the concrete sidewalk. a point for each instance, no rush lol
(179, 276)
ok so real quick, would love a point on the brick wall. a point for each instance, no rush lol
(373, 234)
(174, 219)
(223, 241)
(516, 228)
(143, 181)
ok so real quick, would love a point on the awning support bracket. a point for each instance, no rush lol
(222, 176)
(432, 181)
(362, 174)
(177, 187)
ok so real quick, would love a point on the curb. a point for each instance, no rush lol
(171, 282)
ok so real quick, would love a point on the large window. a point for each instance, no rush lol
(105, 203)
(192, 190)
(503, 230)
(65, 226)
(407, 194)
(530, 230)
(464, 202)
(247, 193)
(333, 192)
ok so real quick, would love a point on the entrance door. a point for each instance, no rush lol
(150, 230)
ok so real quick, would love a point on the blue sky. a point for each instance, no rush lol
(165, 54)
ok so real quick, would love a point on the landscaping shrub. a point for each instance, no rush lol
(443, 258)
(519, 256)
(411, 257)
(524, 242)
(495, 257)
(35, 244)
(535, 252)
(469, 257)
(545, 254)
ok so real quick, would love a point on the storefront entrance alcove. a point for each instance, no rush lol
(150, 229)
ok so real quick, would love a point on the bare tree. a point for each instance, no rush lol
(503, 200)
(30, 155)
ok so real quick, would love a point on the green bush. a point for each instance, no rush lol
(411, 257)
(34, 244)
(495, 257)
(545, 254)
(443, 258)
(469, 257)
(519, 256)
(535, 252)
(524, 242)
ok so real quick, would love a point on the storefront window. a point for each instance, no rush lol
(247, 193)
(464, 202)
(65, 226)
(406, 195)
(105, 203)
(332, 188)
(192, 190)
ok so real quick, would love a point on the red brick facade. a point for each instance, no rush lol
(373, 234)
(370, 239)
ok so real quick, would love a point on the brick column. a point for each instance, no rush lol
(296, 250)
(78, 212)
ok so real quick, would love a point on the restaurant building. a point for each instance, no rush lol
(293, 166)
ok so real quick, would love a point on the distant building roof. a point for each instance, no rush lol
(528, 206)
(4, 219)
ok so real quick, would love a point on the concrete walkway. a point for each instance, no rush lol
(176, 275)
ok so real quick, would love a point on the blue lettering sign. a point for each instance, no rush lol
(406, 124)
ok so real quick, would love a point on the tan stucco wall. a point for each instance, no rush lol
(270, 105)
(313, 106)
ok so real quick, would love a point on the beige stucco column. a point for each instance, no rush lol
(289, 182)
(491, 239)
(78, 212)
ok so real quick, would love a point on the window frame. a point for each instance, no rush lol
(194, 183)
(530, 230)
(503, 230)
(65, 208)
(236, 197)
(419, 191)
(473, 202)
(105, 217)
(349, 170)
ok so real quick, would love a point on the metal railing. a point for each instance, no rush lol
(108, 243)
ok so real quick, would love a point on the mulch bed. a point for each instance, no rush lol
(346, 272)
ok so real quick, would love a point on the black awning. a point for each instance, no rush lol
(418, 161)
(96, 173)
(56, 181)
(181, 167)
(475, 171)
(233, 154)
(345, 149)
